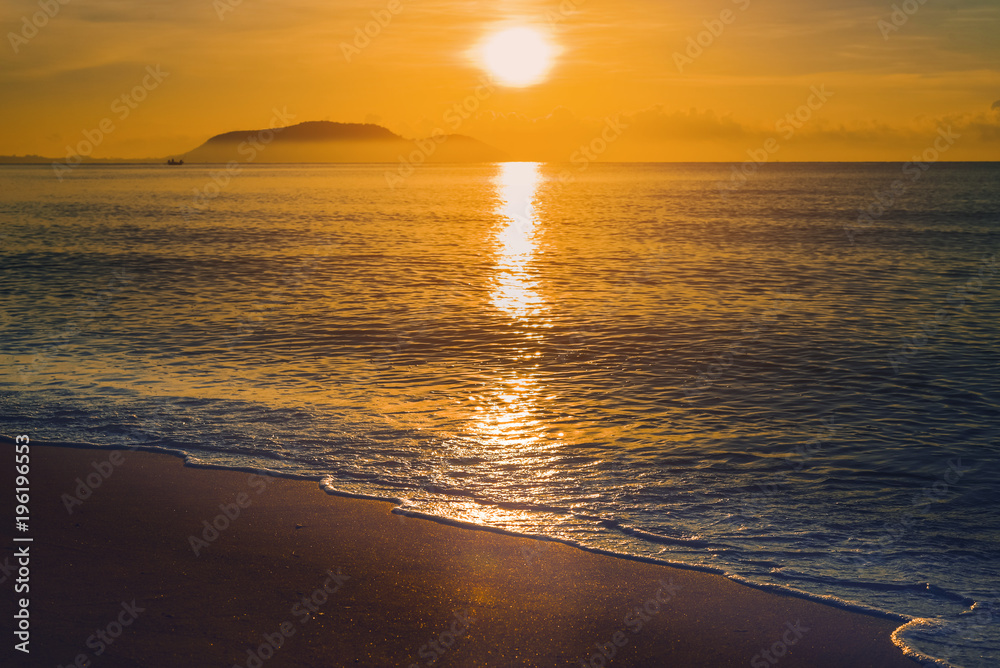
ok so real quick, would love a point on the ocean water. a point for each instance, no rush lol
(647, 359)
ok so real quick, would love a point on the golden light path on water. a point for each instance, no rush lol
(515, 292)
(508, 414)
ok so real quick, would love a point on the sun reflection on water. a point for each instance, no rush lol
(507, 414)
(515, 291)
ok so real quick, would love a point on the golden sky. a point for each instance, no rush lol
(878, 91)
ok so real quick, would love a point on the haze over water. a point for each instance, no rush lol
(633, 360)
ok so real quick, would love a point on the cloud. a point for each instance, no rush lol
(996, 105)
(659, 134)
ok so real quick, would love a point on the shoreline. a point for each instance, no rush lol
(221, 558)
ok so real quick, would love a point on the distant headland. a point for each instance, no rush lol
(308, 142)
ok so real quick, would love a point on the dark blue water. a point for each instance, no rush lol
(751, 381)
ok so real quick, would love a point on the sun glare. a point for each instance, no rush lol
(518, 56)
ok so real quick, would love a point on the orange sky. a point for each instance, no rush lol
(888, 88)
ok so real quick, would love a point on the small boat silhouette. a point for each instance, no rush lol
(171, 161)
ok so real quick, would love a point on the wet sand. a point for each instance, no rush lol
(137, 575)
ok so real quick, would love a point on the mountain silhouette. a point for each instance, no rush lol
(326, 141)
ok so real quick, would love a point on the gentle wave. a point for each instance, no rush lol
(630, 362)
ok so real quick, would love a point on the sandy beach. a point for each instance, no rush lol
(511, 334)
(158, 564)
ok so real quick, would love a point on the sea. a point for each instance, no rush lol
(786, 373)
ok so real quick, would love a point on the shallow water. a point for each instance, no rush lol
(631, 359)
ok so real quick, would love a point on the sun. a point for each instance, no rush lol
(518, 56)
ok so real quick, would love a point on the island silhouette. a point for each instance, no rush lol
(312, 142)
(327, 141)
